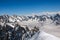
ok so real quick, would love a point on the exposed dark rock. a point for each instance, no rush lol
(16, 33)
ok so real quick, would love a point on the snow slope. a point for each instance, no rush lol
(44, 36)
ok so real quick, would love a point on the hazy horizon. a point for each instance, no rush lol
(23, 7)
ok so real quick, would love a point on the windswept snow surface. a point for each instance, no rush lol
(44, 36)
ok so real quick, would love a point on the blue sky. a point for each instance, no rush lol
(23, 7)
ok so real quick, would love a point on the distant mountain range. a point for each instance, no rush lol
(10, 25)
(14, 18)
